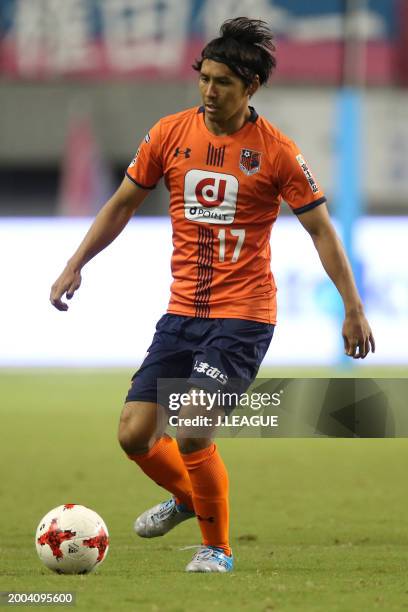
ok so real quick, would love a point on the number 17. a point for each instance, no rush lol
(240, 234)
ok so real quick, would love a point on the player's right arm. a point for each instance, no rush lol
(108, 224)
(301, 191)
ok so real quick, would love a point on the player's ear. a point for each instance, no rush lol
(254, 86)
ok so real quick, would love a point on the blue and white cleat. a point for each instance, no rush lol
(211, 559)
(160, 519)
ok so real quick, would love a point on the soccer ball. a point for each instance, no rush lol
(72, 539)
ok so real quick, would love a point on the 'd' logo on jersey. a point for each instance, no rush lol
(250, 161)
(210, 197)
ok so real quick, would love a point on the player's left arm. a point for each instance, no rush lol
(357, 334)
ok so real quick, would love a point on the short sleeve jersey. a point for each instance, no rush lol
(225, 195)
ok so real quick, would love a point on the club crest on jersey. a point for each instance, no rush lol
(250, 161)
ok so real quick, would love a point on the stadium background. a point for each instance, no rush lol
(81, 81)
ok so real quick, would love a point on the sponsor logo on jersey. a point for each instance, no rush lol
(185, 152)
(250, 161)
(210, 197)
(147, 138)
(201, 367)
(134, 160)
(309, 176)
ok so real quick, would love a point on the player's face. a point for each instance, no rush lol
(223, 93)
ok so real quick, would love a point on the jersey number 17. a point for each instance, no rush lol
(238, 233)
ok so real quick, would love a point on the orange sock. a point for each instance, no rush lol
(164, 465)
(209, 480)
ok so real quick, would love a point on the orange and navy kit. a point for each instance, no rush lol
(225, 195)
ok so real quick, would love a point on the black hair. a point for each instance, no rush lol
(245, 46)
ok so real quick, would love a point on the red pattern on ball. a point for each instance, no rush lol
(54, 538)
(100, 541)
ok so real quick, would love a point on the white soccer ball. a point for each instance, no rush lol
(72, 539)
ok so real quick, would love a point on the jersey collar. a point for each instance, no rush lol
(252, 118)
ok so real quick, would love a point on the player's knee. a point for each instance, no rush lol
(133, 441)
(191, 445)
(135, 432)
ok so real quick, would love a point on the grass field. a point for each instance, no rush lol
(317, 524)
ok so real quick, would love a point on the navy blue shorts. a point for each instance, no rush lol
(213, 354)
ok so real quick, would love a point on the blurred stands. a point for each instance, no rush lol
(128, 62)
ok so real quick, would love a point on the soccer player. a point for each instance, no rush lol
(227, 170)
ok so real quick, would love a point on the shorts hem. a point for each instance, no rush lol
(141, 398)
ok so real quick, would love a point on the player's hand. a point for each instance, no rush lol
(357, 335)
(67, 283)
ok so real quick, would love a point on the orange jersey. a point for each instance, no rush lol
(225, 194)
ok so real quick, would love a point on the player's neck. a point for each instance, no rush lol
(229, 126)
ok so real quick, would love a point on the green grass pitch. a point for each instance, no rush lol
(317, 524)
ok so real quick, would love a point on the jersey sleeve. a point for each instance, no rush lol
(297, 185)
(146, 168)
